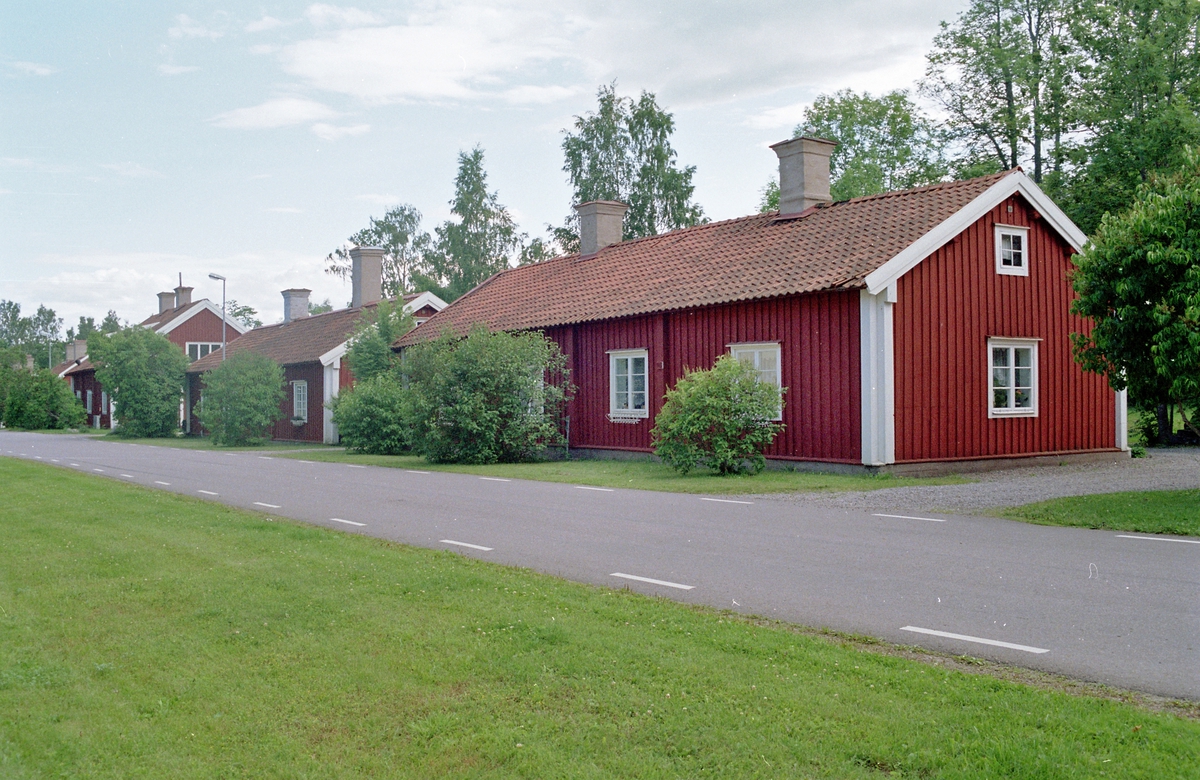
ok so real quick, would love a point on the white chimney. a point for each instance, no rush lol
(183, 296)
(803, 173)
(76, 349)
(295, 304)
(166, 301)
(601, 224)
(366, 275)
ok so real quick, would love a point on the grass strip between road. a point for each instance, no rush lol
(642, 475)
(206, 443)
(1149, 512)
(144, 633)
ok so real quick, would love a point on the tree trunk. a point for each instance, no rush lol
(1164, 425)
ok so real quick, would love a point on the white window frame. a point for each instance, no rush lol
(300, 387)
(1012, 344)
(757, 348)
(1012, 230)
(213, 346)
(627, 354)
(89, 402)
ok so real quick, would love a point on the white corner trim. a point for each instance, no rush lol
(336, 353)
(877, 371)
(929, 243)
(205, 305)
(331, 376)
(425, 299)
(1122, 441)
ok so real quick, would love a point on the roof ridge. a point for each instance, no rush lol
(926, 187)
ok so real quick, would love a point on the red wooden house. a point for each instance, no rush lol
(310, 350)
(917, 327)
(194, 326)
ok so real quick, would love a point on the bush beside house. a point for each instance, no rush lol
(242, 399)
(375, 416)
(37, 400)
(144, 374)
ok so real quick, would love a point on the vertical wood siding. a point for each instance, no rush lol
(819, 350)
(313, 430)
(205, 326)
(948, 307)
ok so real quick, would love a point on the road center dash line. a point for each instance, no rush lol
(652, 581)
(1158, 539)
(726, 501)
(976, 639)
(347, 522)
(910, 517)
(464, 544)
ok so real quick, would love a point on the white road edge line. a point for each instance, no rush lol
(354, 466)
(98, 471)
(726, 501)
(264, 457)
(208, 492)
(348, 522)
(588, 487)
(127, 476)
(268, 506)
(464, 544)
(168, 484)
(1158, 539)
(410, 471)
(651, 581)
(38, 457)
(910, 517)
(979, 640)
(54, 460)
(75, 464)
(496, 479)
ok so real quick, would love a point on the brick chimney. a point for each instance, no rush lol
(76, 349)
(601, 224)
(166, 301)
(366, 275)
(183, 296)
(803, 173)
(295, 304)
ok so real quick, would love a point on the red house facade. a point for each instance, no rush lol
(918, 327)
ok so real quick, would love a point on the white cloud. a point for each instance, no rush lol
(285, 210)
(531, 94)
(280, 112)
(34, 68)
(175, 70)
(5, 192)
(381, 199)
(778, 117)
(265, 23)
(334, 132)
(323, 15)
(187, 27)
(131, 170)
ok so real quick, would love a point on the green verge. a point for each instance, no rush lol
(643, 475)
(1150, 512)
(206, 443)
(148, 634)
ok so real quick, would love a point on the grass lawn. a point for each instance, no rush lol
(148, 634)
(643, 475)
(206, 443)
(1150, 512)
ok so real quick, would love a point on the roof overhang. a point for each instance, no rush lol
(1016, 182)
(335, 353)
(425, 299)
(204, 305)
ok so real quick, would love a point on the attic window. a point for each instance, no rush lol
(1012, 250)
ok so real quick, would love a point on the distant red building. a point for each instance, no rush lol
(924, 326)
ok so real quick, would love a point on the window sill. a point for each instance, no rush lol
(999, 414)
(627, 419)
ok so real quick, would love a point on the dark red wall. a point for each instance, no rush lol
(948, 307)
(84, 381)
(204, 326)
(313, 429)
(819, 347)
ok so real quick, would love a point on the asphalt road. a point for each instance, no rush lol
(1121, 609)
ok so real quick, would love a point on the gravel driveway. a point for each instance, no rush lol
(1163, 469)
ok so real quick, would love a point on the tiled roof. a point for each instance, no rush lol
(760, 256)
(156, 321)
(84, 365)
(299, 341)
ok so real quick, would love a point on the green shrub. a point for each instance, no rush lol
(38, 400)
(242, 399)
(486, 398)
(374, 416)
(720, 418)
(143, 374)
(370, 353)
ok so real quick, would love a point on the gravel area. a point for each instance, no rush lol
(1163, 469)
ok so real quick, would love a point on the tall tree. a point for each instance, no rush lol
(622, 151)
(479, 241)
(143, 373)
(246, 315)
(404, 243)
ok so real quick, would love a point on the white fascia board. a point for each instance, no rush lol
(877, 374)
(335, 353)
(205, 304)
(1122, 399)
(929, 243)
(425, 299)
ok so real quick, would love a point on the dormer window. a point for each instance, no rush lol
(1012, 250)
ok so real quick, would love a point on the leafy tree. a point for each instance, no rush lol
(87, 326)
(242, 398)
(622, 151)
(14, 329)
(37, 400)
(479, 242)
(370, 353)
(719, 418)
(404, 243)
(144, 375)
(1139, 282)
(320, 308)
(37, 335)
(246, 315)
(374, 416)
(486, 398)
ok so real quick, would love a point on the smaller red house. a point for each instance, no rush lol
(310, 350)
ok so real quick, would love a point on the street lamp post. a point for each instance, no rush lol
(221, 279)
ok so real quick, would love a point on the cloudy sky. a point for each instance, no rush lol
(141, 140)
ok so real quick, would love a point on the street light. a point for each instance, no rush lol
(221, 279)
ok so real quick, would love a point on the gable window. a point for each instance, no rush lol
(627, 383)
(1013, 368)
(1012, 250)
(199, 349)
(764, 359)
(300, 400)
